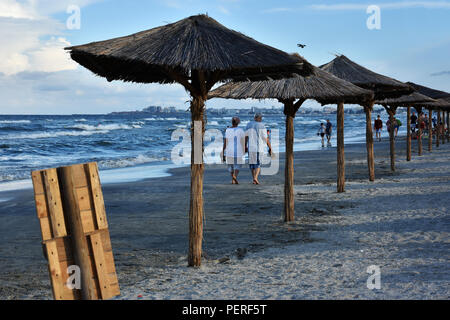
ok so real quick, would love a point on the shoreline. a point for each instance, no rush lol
(160, 169)
(243, 228)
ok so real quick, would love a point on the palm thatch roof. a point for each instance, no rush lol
(194, 43)
(406, 100)
(432, 93)
(383, 87)
(320, 85)
(438, 104)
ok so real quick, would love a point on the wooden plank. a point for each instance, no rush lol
(55, 271)
(41, 205)
(83, 198)
(97, 195)
(64, 247)
(54, 203)
(46, 229)
(79, 176)
(100, 264)
(87, 220)
(38, 183)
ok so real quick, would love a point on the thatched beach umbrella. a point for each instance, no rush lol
(442, 104)
(321, 86)
(438, 105)
(196, 52)
(382, 86)
(391, 106)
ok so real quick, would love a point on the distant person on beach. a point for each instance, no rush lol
(328, 131)
(378, 125)
(425, 122)
(234, 149)
(413, 122)
(397, 125)
(321, 132)
(256, 139)
(421, 123)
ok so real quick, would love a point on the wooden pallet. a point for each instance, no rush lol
(74, 228)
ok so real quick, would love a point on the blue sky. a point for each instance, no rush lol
(37, 77)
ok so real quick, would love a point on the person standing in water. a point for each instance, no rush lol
(322, 134)
(233, 149)
(378, 125)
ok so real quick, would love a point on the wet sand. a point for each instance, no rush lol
(323, 254)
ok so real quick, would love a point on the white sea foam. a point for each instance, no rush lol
(100, 127)
(309, 121)
(45, 135)
(128, 162)
(15, 121)
(213, 123)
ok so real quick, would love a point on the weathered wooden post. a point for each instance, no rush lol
(419, 138)
(289, 200)
(340, 149)
(443, 127)
(408, 135)
(369, 141)
(391, 111)
(430, 129)
(438, 129)
(197, 171)
(71, 212)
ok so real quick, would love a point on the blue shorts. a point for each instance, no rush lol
(234, 167)
(254, 165)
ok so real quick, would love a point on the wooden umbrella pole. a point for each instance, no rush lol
(419, 138)
(290, 109)
(369, 141)
(196, 195)
(430, 130)
(438, 129)
(340, 149)
(289, 201)
(391, 112)
(443, 127)
(408, 135)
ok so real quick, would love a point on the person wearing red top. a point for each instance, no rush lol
(378, 125)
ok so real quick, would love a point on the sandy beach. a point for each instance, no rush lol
(400, 222)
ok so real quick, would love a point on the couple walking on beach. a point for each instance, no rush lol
(325, 131)
(238, 142)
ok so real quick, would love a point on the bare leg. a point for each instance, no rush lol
(232, 177)
(255, 177)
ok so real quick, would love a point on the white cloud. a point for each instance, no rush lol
(14, 9)
(224, 10)
(51, 57)
(388, 5)
(275, 10)
(30, 39)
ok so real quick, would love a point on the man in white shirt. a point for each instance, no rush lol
(256, 140)
(233, 149)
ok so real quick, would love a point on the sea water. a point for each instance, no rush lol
(130, 147)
